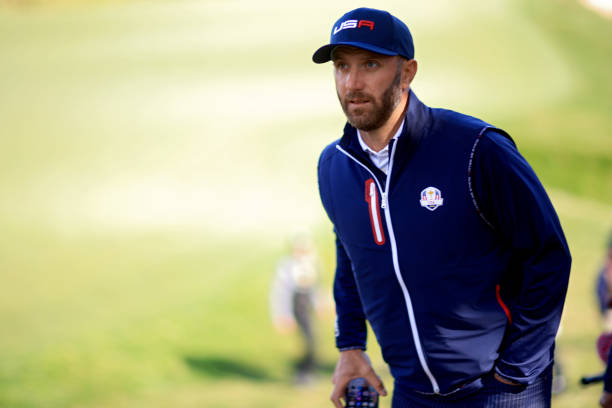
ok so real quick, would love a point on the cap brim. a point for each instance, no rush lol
(323, 54)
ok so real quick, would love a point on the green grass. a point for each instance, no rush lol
(154, 157)
(574, 147)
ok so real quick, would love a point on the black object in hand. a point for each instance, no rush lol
(361, 394)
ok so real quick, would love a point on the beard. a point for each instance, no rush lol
(375, 116)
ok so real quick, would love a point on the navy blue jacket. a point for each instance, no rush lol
(456, 258)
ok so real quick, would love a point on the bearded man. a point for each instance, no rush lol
(447, 243)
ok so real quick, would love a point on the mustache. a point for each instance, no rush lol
(357, 95)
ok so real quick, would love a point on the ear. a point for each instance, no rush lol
(409, 70)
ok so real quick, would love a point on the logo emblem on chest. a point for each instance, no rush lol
(431, 198)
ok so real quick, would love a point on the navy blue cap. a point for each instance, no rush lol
(370, 29)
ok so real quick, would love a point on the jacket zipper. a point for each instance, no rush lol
(385, 205)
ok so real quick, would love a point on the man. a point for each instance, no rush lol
(446, 241)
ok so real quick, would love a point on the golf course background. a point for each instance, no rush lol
(156, 155)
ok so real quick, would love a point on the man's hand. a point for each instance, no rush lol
(606, 399)
(353, 364)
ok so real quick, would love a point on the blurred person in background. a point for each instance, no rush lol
(293, 298)
(604, 287)
(604, 295)
(446, 241)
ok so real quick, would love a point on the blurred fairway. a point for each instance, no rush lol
(154, 157)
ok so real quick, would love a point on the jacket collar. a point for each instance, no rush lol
(416, 124)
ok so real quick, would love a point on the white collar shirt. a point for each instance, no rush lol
(380, 158)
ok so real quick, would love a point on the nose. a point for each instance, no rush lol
(354, 79)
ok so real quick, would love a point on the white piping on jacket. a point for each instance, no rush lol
(400, 279)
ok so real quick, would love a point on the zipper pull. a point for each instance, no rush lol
(383, 201)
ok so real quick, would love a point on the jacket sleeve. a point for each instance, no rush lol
(351, 328)
(350, 319)
(514, 201)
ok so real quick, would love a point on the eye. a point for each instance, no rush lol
(372, 64)
(339, 65)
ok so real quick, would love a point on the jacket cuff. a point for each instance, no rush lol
(352, 348)
(351, 342)
(352, 334)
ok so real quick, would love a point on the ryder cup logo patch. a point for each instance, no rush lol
(431, 198)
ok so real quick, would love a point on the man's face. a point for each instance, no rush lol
(368, 86)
